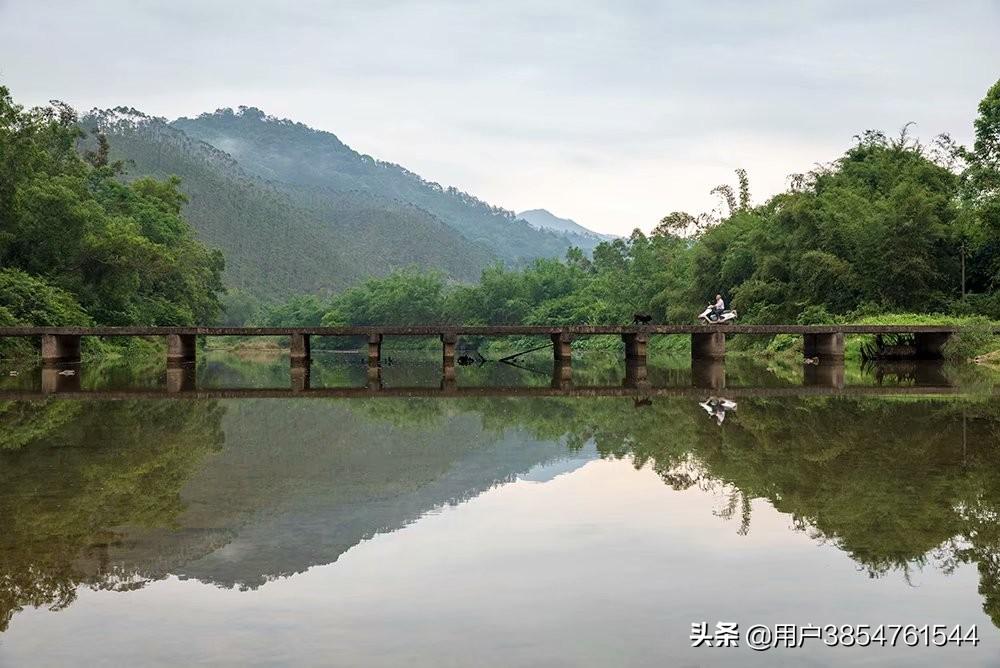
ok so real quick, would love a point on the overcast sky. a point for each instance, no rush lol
(610, 113)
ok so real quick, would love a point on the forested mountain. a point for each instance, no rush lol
(318, 165)
(280, 240)
(544, 219)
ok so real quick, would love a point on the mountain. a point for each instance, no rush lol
(314, 164)
(295, 210)
(543, 219)
(276, 241)
(261, 508)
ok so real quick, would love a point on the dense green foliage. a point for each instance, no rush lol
(78, 246)
(891, 226)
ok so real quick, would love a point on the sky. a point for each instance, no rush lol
(610, 113)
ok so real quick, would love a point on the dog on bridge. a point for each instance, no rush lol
(641, 319)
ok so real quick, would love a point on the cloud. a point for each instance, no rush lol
(612, 113)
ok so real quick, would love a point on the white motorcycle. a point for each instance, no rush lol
(718, 407)
(710, 317)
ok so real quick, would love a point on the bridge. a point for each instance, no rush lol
(61, 345)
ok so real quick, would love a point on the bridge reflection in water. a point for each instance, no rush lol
(706, 376)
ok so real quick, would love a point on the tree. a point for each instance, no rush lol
(96, 249)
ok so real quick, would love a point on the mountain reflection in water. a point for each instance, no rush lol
(117, 495)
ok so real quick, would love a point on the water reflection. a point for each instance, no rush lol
(238, 493)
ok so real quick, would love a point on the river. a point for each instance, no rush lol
(496, 530)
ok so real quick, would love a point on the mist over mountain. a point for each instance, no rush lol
(295, 210)
(306, 159)
(544, 219)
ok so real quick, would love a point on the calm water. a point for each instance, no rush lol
(494, 531)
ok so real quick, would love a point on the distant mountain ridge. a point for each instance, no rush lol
(295, 210)
(544, 219)
(291, 153)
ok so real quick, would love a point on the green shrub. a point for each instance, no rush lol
(974, 338)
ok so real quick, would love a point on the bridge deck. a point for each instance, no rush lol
(480, 330)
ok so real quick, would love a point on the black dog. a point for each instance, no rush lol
(641, 319)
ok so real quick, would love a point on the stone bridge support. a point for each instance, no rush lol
(181, 349)
(60, 349)
(708, 374)
(300, 351)
(635, 347)
(300, 377)
(708, 346)
(827, 347)
(181, 378)
(562, 347)
(374, 379)
(930, 345)
(54, 381)
(824, 375)
(562, 360)
(374, 349)
(448, 344)
(636, 375)
(562, 374)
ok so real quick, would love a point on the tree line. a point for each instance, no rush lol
(79, 246)
(892, 226)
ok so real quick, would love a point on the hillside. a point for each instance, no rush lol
(545, 220)
(299, 157)
(277, 240)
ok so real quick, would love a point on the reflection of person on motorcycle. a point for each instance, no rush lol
(718, 410)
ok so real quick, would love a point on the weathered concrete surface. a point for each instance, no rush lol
(181, 349)
(708, 346)
(300, 349)
(481, 330)
(562, 346)
(635, 347)
(60, 349)
(827, 347)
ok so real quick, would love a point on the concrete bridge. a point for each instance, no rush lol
(61, 345)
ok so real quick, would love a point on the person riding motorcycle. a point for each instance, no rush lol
(716, 313)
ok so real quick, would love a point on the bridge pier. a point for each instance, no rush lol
(299, 375)
(930, 345)
(827, 347)
(635, 347)
(709, 374)
(636, 374)
(374, 349)
(300, 350)
(562, 375)
(562, 347)
(181, 349)
(448, 345)
(824, 375)
(708, 346)
(60, 349)
(181, 378)
(374, 380)
(54, 381)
